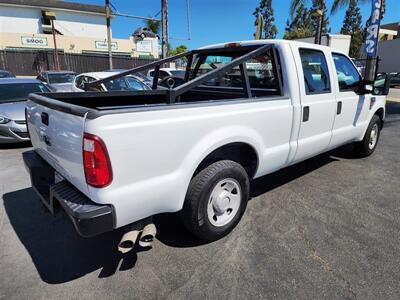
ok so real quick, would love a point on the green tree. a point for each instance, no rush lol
(352, 25)
(153, 25)
(300, 24)
(269, 30)
(177, 50)
(318, 8)
(358, 37)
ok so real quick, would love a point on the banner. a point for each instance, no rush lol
(372, 38)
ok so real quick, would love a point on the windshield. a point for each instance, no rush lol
(125, 84)
(136, 84)
(19, 91)
(61, 78)
(178, 73)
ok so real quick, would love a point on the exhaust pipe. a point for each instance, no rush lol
(128, 240)
(148, 234)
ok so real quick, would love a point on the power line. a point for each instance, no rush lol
(118, 14)
(133, 16)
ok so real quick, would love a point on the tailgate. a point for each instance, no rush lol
(56, 136)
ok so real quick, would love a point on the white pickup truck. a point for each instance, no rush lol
(243, 110)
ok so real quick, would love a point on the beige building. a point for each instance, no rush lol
(388, 32)
(79, 28)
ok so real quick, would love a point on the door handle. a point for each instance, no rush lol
(45, 118)
(339, 108)
(306, 113)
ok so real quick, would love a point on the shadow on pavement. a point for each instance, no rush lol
(172, 233)
(57, 251)
(15, 145)
(392, 114)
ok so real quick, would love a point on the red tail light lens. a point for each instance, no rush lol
(96, 161)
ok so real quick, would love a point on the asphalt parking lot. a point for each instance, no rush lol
(325, 228)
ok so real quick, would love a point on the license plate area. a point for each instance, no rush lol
(42, 178)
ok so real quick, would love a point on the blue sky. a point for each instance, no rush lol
(214, 21)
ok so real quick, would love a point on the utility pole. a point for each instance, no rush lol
(55, 46)
(164, 28)
(108, 22)
(52, 17)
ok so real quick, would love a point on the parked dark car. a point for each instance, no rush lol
(395, 80)
(58, 81)
(143, 32)
(13, 95)
(6, 74)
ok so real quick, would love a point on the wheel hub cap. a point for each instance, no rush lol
(221, 204)
(373, 137)
(224, 202)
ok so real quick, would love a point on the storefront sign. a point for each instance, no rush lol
(34, 41)
(104, 45)
(371, 42)
(144, 46)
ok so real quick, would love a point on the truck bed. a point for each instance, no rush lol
(83, 102)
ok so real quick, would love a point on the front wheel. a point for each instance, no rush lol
(216, 200)
(368, 145)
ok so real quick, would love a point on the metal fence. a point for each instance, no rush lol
(31, 63)
(368, 67)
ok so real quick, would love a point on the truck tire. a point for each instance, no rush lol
(216, 200)
(368, 145)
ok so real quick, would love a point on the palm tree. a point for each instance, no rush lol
(318, 13)
(153, 25)
(338, 4)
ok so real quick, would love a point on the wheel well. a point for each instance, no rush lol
(380, 113)
(242, 153)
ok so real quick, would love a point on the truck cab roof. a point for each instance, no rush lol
(267, 42)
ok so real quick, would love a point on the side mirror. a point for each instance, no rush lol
(361, 87)
(364, 88)
(382, 84)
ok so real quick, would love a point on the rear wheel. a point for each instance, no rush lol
(216, 200)
(368, 145)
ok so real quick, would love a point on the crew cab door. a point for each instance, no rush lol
(351, 109)
(318, 101)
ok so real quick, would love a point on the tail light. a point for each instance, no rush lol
(96, 162)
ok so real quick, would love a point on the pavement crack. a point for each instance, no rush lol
(313, 254)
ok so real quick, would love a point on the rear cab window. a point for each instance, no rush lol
(315, 71)
(261, 72)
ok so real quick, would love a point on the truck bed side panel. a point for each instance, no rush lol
(155, 153)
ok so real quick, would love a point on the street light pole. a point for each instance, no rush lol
(319, 13)
(108, 22)
(164, 27)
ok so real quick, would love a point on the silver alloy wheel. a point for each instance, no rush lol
(373, 138)
(224, 202)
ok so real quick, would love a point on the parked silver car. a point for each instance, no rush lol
(13, 95)
(57, 81)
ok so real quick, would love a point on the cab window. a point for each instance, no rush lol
(260, 69)
(347, 73)
(315, 71)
